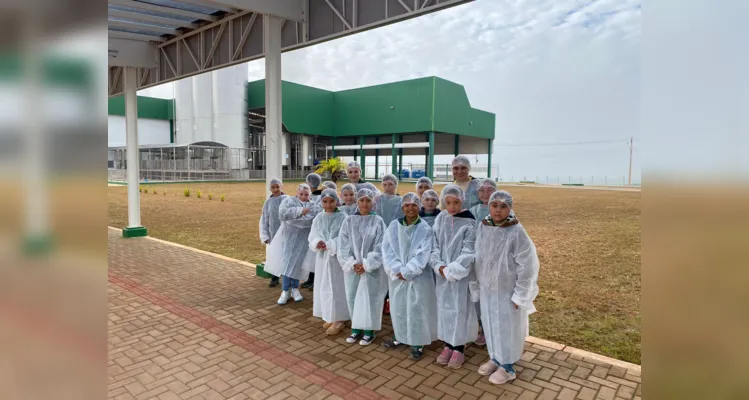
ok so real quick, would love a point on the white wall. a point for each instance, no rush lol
(150, 131)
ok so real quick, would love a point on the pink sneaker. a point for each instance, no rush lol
(481, 340)
(457, 360)
(488, 368)
(501, 377)
(445, 357)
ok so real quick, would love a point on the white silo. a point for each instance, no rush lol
(183, 111)
(202, 106)
(229, 111)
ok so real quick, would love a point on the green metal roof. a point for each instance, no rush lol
(417, 105)
(148, 107)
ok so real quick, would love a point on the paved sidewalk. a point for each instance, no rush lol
(186, 325)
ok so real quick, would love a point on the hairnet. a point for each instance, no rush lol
(453, 190)
(410, 198)
(350, 187)
(368, 186)
(391, 178)
(354, 164)
(461, 160)
(313, 180)
(426, 180)
(488, 182)
(330, 193)
(330, 185)
(365, 193)
(276, 181)
(430, 194)
(502, 196)
(303, 186)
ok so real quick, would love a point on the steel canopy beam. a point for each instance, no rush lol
(287, 9)
(164, 10)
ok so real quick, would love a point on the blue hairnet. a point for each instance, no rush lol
(461, 160)
(426, 180)
(391, 178)
(330, 193)
(314, 180)
(330, 185)
(276, 181)
(354, 164)
(410, 198)
(430, 194)
(453, 190)
(365, 193)
(502, 196)
(350, 187)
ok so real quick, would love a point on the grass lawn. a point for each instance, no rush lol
(588, 242)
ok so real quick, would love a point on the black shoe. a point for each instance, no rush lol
(416, 353)
(391, 344)
(309, 282)
(273, 281)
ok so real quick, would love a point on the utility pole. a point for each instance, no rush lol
(631, 140)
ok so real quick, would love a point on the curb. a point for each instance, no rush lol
(634, 369)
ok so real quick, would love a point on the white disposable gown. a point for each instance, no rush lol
(507, 271)
(429, 219)
(270, 220)
(348, 210)
(413, 302)
(360, 242)
(329, 295)
(388, 206)
(290, 256)
(480, 211)
(454, 239)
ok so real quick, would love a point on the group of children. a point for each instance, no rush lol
(459, 274)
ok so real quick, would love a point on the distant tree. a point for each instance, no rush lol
(334, 166)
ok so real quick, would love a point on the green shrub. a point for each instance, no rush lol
(223, 197)
(154, 191)
(210, 196)
(199, 194)
(187, 192)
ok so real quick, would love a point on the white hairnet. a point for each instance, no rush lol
(430, 194)
(453, 190)
(368, 186)
(276, 181)
(330, 185)
(330, 193)
(365, 193)
(488, 182)
(314, 180)
(391, 178)
(426, 180)
(501, 196)
(349, 187)
(354, 164)
(411, 198)
(461, 160)
(303, 186)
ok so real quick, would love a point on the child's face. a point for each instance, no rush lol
(430, 203)
(411, 210)
(303, 195)
(275, 189)
(365, 205)
(354, 174)
(460, 173)
(453, 205)
(389, 187)
(422, 188)
(349, 197)
(329, 204)
(485, 192)
(499, 211)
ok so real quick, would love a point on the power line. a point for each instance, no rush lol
(624, 141)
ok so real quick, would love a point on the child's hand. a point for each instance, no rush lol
(359, 268)
(400, 276)
(516, 306)
(305, 211)
(442, 271)
(321, 245)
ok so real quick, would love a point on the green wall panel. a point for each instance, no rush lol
(148, 107)
(305, 109)
(453, 112)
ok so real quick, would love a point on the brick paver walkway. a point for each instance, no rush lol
(185, 325)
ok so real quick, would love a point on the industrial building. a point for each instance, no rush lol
(214, 129)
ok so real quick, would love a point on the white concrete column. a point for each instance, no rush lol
(130, 83)
(273, 121)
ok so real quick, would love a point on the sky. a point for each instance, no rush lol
(553, 71)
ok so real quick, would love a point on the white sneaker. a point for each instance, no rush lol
(285, 296)
(296, 295)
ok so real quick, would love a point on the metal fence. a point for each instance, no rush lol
(567, 180)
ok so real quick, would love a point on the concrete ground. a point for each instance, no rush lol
(185, 324)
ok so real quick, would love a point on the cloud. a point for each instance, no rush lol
(551, 70)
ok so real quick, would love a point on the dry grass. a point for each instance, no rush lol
(588, 242)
